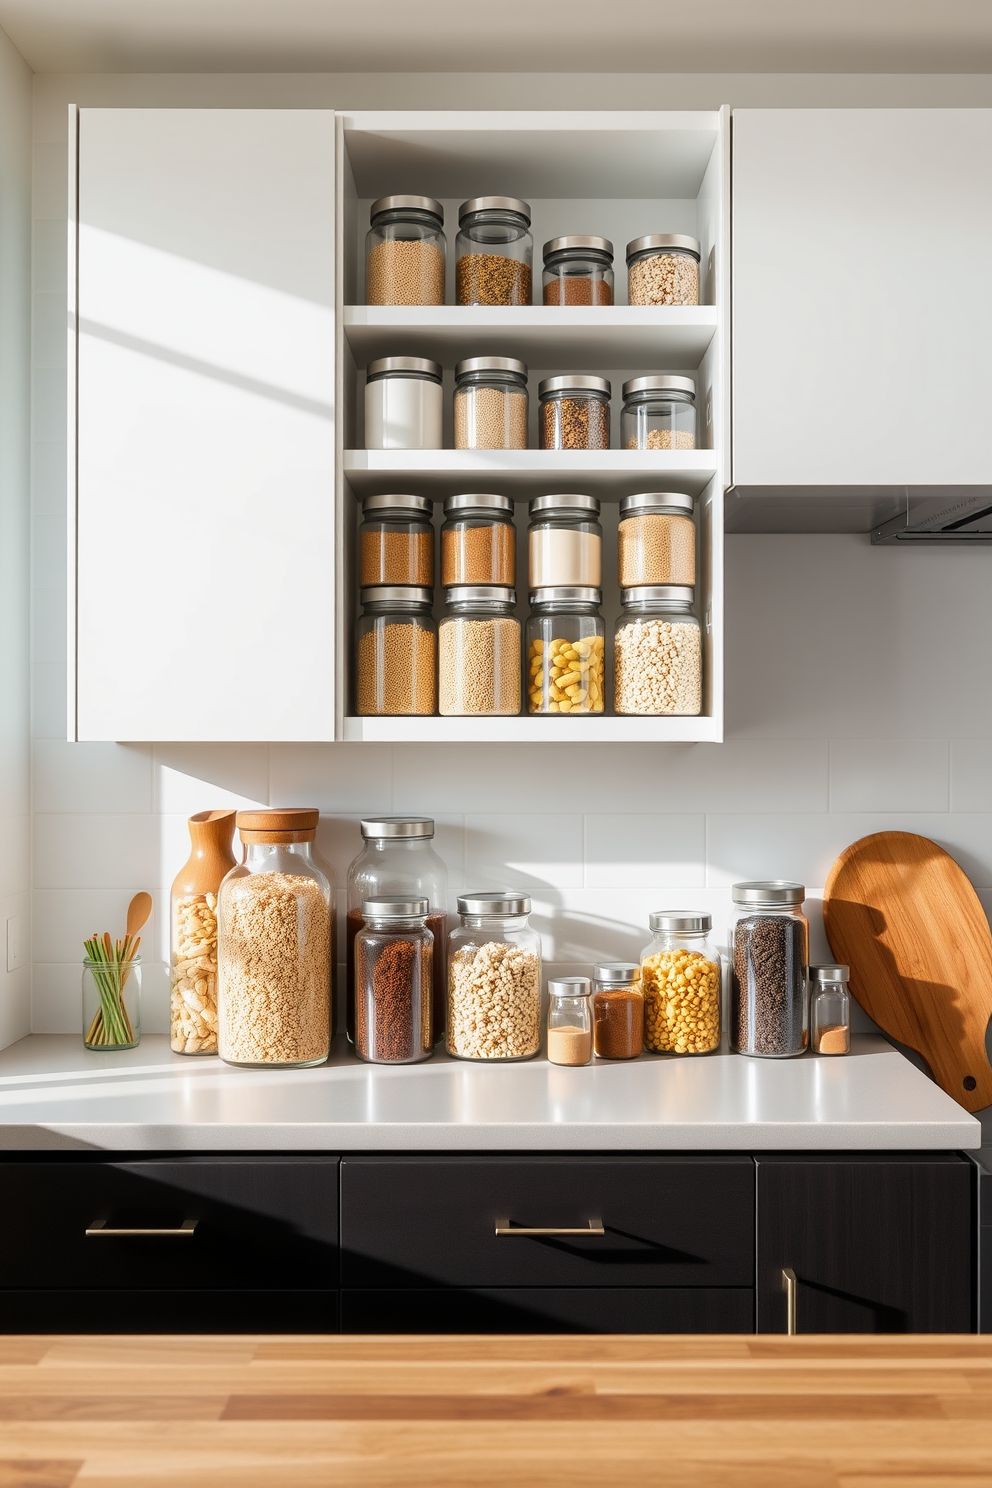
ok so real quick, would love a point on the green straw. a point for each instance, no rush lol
(110, 966)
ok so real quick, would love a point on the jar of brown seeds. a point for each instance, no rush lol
(404, 252)
(574, 412)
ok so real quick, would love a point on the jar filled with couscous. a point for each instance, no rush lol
(681, 980)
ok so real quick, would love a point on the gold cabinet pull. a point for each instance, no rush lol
(594, 1227)
(791, 1288)
(100, 1227)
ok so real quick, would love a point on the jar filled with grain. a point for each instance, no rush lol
(396, 541)
(491, 403)
(193, 999)
(769, 959)
(657, 653)
(830, 1009)
(478, 645)
(494, 252)
(659, 413)
(617, 1010)
(656, 540)
(394, 956)
(564, 542)
(663, 269)
(404, 252)
(403, 403)
(578, 271)
(569, 1020)
(680, 979)
(494, 979)
(275, 951)
(478, 541)
(565, 646)
(574, 412)
(395, 652)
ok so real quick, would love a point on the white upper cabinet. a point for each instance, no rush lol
(202, 557)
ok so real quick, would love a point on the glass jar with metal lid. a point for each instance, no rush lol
(479, 653)
(403, 403)
(656, 540)
(404, 252)
(617, 1010)
(396, 541)
(663, 269)
(574, 412)
(830, 1009)
(657, 653)
(394, 953)
(478, 541)
(569, 1021)
(578, 271)
(491, 403)
(564, 542)
(659, 413)
(565, 650)
(494, 979)
(396, 652)
(769, 957)
(680, 979)
(494, 252)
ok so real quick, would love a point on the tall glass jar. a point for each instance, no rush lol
(659, 413)
(830, 1009)
(680, 977)
(274, 945)
(566, 644)
(396, 541)
(491, 403)
(663, 269)
(617, 1010)
(394, 953)
(657, 653)
(569, 1021)
(564, 543)
(494, 979)
(403, 403)
(479, 653)
(656, 540)
(193, 1000)
(404, 252)
(494, 252)
(396, 653)
(574, 412)
(578, 271)
(478, 541)
(769, 957)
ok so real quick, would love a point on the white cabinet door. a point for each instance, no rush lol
(203, 514)
(862, 296)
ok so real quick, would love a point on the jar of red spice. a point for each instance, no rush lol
(617, 1010)
(394, 955)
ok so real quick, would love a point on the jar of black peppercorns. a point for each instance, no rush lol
(394, 954)
(769, 943)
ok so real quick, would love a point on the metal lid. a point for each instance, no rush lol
(576, 243)
(649, 501)
(462, 505)
(541, 504)
(617, 973)
(411, 203)
(660, 382)
(574, 593)
(491, 364)
(463, 594)
(394, 909)
(412, 366)
(836, 974)
(420, 505)
(769, 891)
(569, 986)
(657, 594)
(398, 594)
(662, 240)
(680, 921)
(494, 902)
(493, 204)
(398, 826)
(574, 382)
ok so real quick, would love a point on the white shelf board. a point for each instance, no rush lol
(608, 474)
(601, 730)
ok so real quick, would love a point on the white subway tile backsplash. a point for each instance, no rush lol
(538, 854)
(350, 778)
(50, 258)
(889, 775)
(15, 852)
(103, 850)
(189, 778)
(64, 918)
(49, 479)
(644, 851)
(91, 777)
(50, 329)
(971, 774)
(49, 547)
(48, 626)
(50, 192)
(48, 700)
(49, 414)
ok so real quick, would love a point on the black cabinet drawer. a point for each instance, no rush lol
(550, 1310)
(668, 1222)
(168, 1312)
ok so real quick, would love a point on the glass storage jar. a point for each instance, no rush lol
(478, 650)
(569, 1021)
(564, 542)
(830, 1009)
(404, 252)
(656, 540)
(111, 1003)
(680, 978)
(494, 979)
(769, 957)
(393, 982)
(617, 1010)
(659, 413)
(403, 403)
(396, 653)
(396, 541)
(574, 412)
(565, 648)
(478, 541)
(274, 945)
(494, 252)
(193, 966)
(657, 653)
(663, 269)
(491, 403)
(578, 271)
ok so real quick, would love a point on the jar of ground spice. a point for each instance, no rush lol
(491, 403)
(617, 1010)
(574, 412)
(396, 541)
(657, 653)
(663, 269)
(479, 653)
(494, 252)
(478, 541)
(830, 1009)
(680, 978)
(659, 413)
(578, 271)
(569, 1021)
(394, 954)
(769, 958)
(404, 252)
(396, 652)
(656, 540)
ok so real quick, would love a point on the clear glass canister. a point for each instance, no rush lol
(578, 271)
(478, 650)
(491, 403)
(680, 978)
(111, 1003)
(396, 653)
(659, 413)
(396, 541)
(657, 653)
(617, 1010)
(494, 252)
(404, 252)
(663, 269)
(574, 412)
(564, 543)
(193, 999)
(478, 541)
(569, 1021)
(274, 945)
(394, 953)
(769, 957)
(830, 1009)
(403, 404)
(656, 539)
(494, 979)
(565, 652)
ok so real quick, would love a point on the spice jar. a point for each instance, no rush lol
(680, 978)
(617, 1010)
(494, 252)
(578, 271)
(564, 542)
(404, 252)
(274, 945)
(663, 269)
(403, 403)
(769, 940)
(565, 648)
(574, 412)
(657, 653)
(491, 403)
(478, 541)
(656, 540)
(569, 1021)
(193, 1000)
(659, 413)
(494, 979)
(830, 1009)
(479, 653)
(396, 541)
(393, 982)
(396, 653)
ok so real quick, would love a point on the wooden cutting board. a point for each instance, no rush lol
(907, 921)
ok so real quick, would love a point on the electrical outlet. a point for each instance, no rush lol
(14, 958)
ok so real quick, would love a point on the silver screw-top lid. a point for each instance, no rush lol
(569, 986)
(471, 502)
(409, 366)
(493, 204)
(564, 594)
(576, 243)
(680, 921)
(769, 891)
(617, 973)
(660, 382)
(494, 902)
(411, 203)
(419, 505)
(490, 364)
(402, 595)
(836, 974)
(464, 594)
(574, 382)
(394, 909)
(398, 826)
(548, 505)
(650, 501)
(659, 241)
(657, 594)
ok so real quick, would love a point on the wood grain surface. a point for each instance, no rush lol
(906, 919)
(686, 1412)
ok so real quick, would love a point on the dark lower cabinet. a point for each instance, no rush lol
(152, 1311)
(550, 1310)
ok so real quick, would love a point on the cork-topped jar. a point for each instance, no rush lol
(193, 933)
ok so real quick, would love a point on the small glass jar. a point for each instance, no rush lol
(680, 978)
(569, 1021)
(491, 403)
(396, 541)
(659, 413)
(494, 252)
(564, 543)
(657, 654)
(403, 404)
(396, 653)
(565, 649)
(663, 269)
(111, 1004)
(830, 1009)
(656, 540)
(394, 954)
(494, 979)
(769, 956)
(574, 412)
(478, 541)
(617, 1010)
(478, 649)
(404, 252)
(578, 271)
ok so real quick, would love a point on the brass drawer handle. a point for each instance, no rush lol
(790, 1286)
(100, 1227)
(594, 1227)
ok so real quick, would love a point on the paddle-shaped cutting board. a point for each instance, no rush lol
(907, 921)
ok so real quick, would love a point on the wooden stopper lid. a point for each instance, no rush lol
(286, 824)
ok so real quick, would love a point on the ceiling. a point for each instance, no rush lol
(737, 36)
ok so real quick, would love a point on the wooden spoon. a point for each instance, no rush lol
(137, 913)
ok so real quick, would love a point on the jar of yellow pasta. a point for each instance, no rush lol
(680, 979)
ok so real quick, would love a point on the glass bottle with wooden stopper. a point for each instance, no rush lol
(193, 921)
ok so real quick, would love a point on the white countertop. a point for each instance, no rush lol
(54, 1094)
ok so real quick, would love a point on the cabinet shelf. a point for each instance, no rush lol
(608, 474)
(533, 730)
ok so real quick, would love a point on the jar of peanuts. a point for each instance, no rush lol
(656, 539)
(663, 269)
(659, 413)
(494, 979)
(404, 252)
(193, 1001)
(681, 980)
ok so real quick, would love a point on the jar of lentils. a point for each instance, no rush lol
(565, 542)
(396, 652)
(478, 541)
(394, 957)
(574, 412)
(578, 271)
(680, 979)
(659, 413)
(494, 252)
(657, 653)
(663, 269)
(494, 979)
(404, 252)
(479, 653)
(656, 540)
(396, 541)
(491, 403)
(565, 652)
